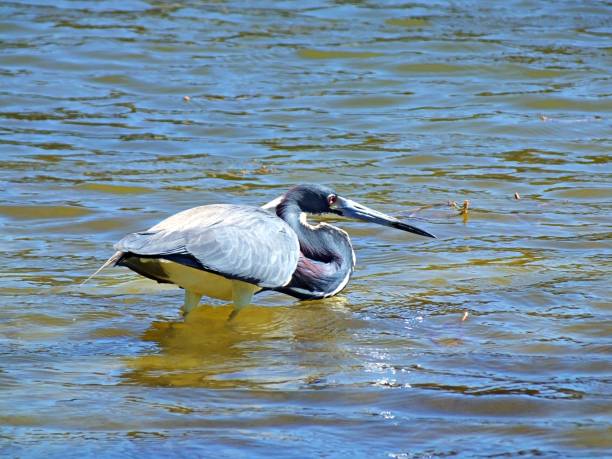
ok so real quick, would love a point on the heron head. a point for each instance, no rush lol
(312, 199)
(319, 199)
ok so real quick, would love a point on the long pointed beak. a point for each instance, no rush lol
(352, 209)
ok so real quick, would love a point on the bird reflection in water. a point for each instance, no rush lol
(205, 350)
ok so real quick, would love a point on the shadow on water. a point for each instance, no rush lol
(207, 350)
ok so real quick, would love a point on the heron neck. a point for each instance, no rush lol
(326, 260)
(313, 243)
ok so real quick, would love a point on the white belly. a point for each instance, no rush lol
(196, 280)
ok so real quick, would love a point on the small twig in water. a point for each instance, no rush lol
(418, 209)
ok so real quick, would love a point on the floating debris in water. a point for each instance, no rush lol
(263, 169)
(386, 383)
(463, 210)
(413, 213)
(517, 196)
(586, 119)
(432, 208)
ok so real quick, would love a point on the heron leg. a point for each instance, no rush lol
(191, 301)
(242, 294)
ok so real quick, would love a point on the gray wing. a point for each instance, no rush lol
(238, 242)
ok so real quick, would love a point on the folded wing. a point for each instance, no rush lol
(237, 242)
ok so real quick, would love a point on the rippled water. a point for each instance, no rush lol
(401, 106)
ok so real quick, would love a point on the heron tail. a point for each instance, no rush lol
(114, 259)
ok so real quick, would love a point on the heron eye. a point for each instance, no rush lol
(331, 199)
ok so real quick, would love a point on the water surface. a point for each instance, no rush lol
(404, 107)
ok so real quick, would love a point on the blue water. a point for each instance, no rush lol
(491, 341)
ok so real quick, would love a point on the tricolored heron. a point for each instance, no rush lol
(230, 252)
